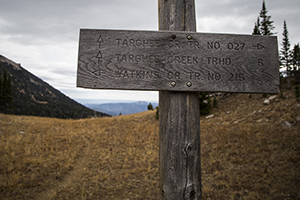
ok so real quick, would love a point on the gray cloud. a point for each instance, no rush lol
(59, 21)
(42, 35)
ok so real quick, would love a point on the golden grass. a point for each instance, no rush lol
(245, 154)
(38, 153)
(250, 161)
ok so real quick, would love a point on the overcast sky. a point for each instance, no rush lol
(43, 35)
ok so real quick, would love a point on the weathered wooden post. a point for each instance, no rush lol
(179, 118)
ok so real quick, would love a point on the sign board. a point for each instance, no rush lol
(177, 61)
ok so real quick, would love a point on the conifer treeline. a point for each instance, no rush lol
(289, 58)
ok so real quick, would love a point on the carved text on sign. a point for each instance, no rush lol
(148, 60)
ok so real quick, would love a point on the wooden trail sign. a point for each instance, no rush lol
(177, 61)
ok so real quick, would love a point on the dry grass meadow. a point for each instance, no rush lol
(246, 154)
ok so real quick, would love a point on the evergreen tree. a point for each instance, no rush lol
(4, 86)
(150, 107)
(5, 89)
(157, 113)
(256, 30)
(266, 25)
(296, 57)
(285, 54)
(8, 90)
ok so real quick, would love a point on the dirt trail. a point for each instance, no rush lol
(70, 178)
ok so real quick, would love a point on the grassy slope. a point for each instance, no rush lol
(246, 154)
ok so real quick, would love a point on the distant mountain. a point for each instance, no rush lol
(33, 96)
(123, 108)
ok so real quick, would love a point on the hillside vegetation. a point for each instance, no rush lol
(32, 96)
(248, 151)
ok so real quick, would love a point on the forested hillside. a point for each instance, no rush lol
(32, 96)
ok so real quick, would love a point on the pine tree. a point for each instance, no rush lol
(4, 86)
(266, 25)
(150, 107)
(5, 89)
(285, 54)
(256, 29)
(8, 90)
(296, 57)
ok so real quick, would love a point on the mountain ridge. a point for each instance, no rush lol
(121, 108)
(33, 96)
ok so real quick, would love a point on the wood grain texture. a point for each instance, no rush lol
(177, 60)
(180, 165)
(179, 120)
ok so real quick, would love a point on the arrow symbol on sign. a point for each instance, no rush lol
(99, 56)
(259, 46)
(100, 40)
(91, 66)
(96, 71)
